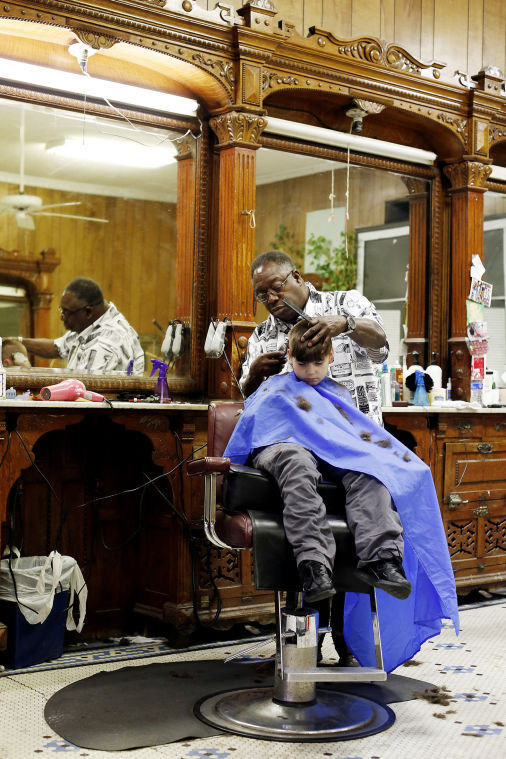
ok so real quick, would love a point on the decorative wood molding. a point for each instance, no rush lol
(369, 106)
(95, 40)
(185, 146)
(496, 133)
(490, 79)
(259, 14)
(457, 124)
(468, 174)
(29, 267)
(376, 51)
(222, 13)
(238, 128)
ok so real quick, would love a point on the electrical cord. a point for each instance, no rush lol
(131, 536)
(6, 449)
(180, 514)
(194, 563)
(33, 463)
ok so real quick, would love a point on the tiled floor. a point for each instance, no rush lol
(473, 726)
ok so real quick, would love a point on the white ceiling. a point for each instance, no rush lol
(44, 125)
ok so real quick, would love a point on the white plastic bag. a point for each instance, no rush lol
(34, 581)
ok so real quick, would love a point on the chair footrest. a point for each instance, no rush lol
(334, 674)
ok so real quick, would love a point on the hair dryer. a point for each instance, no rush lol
(69, 390)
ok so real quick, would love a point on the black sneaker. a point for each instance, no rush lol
(316, 581)
(387, 575)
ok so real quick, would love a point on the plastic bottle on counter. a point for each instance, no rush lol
(435, 372)
(386, 388)
(3, 376)
(449, 389)
(407, 394)
(477, 391)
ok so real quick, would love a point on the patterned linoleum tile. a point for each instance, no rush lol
(471, 726)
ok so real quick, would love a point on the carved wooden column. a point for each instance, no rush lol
(467, 180)
(233, 219)
(185, 215)
(416, 338)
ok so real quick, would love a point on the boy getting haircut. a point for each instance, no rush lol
(301, 425)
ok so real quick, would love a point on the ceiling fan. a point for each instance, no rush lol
(26, 207)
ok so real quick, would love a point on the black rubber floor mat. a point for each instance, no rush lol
(151, 705)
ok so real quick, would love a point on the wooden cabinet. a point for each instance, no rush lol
(143, 550)
(467, 455)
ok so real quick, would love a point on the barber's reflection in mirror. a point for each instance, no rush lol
(98, 339)
(346, 317)
(14, 354)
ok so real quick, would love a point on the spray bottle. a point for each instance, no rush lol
(162, 388)
(420, 398)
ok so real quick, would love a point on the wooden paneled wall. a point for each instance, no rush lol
(132, 257)
(288, 201)
(464, 34)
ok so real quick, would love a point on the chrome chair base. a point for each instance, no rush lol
(252, 713)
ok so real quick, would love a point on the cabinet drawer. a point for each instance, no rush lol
(476, 542)
(457, 426)
(474, 468)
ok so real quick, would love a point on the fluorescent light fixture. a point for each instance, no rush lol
(354, 142)
(499, 173)
(28, 73)
(114, 152)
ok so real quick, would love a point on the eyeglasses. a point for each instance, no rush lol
(275, 292)
(68, 312)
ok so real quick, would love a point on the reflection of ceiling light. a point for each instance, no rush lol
(353, 141)
(498, 172)
(120, 152)
(92, 87)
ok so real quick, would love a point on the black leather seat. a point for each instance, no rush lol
(243, 510)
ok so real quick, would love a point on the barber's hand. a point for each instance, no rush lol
(323, 328)
(268, 364)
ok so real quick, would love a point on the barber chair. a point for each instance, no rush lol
(250, 517)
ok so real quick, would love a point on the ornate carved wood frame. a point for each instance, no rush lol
(243, 64)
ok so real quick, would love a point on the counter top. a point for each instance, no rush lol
(80, 405)
(457, 409)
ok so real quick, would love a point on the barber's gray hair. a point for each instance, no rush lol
(278, 257)
(86, 290)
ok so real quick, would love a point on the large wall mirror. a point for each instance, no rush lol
(105, 195)
(495, 273)
(346, 226)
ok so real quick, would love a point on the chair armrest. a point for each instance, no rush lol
(208, 465)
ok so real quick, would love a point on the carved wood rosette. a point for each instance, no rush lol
(468, 183)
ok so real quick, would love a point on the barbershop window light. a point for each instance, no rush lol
(64, 81)
(345, 140)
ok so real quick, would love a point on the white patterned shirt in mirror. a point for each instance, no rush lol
(352, 366)
(107, 345)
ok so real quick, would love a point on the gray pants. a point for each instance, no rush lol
(370, 513)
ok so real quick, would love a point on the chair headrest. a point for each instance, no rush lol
(221, 420)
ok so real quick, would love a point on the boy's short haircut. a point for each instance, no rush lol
(301, 350)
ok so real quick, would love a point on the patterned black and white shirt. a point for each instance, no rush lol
(352, 365)
(107, 345)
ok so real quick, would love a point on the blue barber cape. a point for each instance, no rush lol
(324, 419)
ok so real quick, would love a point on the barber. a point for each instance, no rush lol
(346, 318)
(355, 328)
(98, 337)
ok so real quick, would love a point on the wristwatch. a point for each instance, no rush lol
(350, 325)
